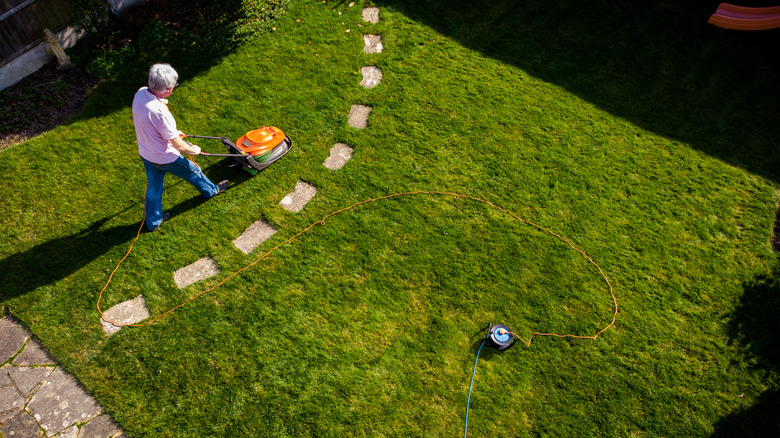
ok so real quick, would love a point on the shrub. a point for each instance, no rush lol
(217, 26)
(104, 64)
(154, 34)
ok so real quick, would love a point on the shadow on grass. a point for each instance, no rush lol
(657, 64)
(56, 259)
(755, 326)
(116, 92)
(191, 35)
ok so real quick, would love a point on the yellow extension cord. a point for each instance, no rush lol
(322, 222)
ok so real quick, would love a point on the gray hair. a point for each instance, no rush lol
(162, 77)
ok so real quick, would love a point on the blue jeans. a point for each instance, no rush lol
(155, 182)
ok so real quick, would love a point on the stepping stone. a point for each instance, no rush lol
(339, 155)
(28, 378)
(371, 15)
(256, 234)
(372, 76)
(358, 116)
(13, 338)
(200, 270)
(33, 354)
(61, 402)
(373, 43)
(296, 200)
(127, 312)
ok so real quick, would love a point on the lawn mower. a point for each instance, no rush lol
(255, 150)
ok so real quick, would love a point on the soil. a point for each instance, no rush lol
(40, 120)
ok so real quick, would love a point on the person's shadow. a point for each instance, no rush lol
(55, 259)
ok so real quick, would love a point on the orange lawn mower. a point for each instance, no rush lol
(255, 150)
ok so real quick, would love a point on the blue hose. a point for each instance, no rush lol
(466, 429)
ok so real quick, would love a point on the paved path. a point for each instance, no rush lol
(40, 399)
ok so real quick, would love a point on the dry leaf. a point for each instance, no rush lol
(352, 4)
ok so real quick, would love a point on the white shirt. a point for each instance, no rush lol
(154, 128)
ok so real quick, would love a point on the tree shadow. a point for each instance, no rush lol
(116, 92)
(755, 327)
(192, 35)
(657, 64)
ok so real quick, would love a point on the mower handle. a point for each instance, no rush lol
(205, 136)
(224, 140)
(221, 155)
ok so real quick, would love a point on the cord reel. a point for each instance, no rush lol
(499, 336)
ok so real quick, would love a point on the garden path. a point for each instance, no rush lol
(40, 399)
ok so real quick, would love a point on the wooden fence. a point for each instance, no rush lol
(22, 23)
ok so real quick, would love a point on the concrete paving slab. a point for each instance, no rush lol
(101, 427)
(200, 270)
(71, 432)
(296, 200)
(33, 354)
(373, 43)
(371, 15)
(358, 116)
(13, 338)
(372, 76)
(11, 401)
(256, 234)
(339, 155)
(22, 426)
(127, 312)
(54, 400)
(27, 379)
(62, 402)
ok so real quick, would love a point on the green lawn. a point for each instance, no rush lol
(645, 137)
